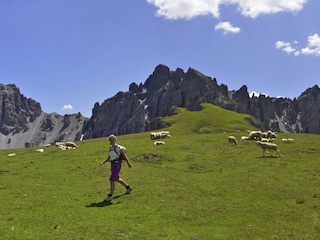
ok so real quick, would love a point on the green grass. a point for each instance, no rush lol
(194, 187)
(211, 119)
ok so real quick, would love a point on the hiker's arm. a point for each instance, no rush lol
(104, 161)
(125, 157)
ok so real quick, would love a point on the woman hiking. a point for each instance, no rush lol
(116, 155)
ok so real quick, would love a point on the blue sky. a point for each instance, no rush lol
(70, 54)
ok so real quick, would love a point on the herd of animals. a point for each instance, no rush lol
(159, 135)
(60, 145)
(263, 140)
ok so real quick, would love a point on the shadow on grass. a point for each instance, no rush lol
(104, 203)
(270, 156)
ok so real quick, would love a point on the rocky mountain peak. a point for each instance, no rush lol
(24, 124)
(144, 106)
(16, 110)
(164, 90)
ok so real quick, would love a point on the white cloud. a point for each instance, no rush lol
(313, 47)
(187, 9)
(227, 27)
(285, 46)
(67, 107)
(253, 8)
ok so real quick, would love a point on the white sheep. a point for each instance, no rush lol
(287, 140)
(59, 144)
(266, 139)
(271, 135)
(232, 140)
(255, 135)
(71, 145)
(266, 145)
(160, 135)
(40, 150)
(67, 145)
(244, 138)
(159, 143)
(63, 147)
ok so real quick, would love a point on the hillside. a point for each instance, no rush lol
(195, 186)
(144, 106)
(210, 119)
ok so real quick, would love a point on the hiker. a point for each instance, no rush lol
(116, 155)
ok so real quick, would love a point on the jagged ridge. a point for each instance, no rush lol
(164, 90)
(142, 108)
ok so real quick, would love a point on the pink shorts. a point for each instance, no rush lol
(115, 171)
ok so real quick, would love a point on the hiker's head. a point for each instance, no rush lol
(112, 138)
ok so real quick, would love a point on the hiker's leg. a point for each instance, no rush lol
(123, 182)
(112, 187)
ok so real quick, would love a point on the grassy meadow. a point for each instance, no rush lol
(194, 187)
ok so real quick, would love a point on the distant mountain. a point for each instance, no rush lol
(24, 124)
(142, 108)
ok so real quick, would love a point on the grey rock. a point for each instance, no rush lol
(24, 124)
(143, 107)
(164, 90)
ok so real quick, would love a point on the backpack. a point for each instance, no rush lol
(120, 157)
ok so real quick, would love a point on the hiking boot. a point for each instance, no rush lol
(129, 189)
(109, 198)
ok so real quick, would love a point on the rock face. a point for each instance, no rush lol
(143, 107)
(24, 124)
(119, 115)
(16, 110)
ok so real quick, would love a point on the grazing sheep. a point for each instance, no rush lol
(40, 150)
(287, 140)
(154, 135)
(244, 138)
(160, 135)
(11, 154)
(232, 140)
(159, 143)
(271, 135)
(59, 144)
(67, 145)
(266, 139)
(255, 135)
(63, 147)
(71, 145)
(271, 146)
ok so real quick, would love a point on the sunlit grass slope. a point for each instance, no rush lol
(194, 187)
(211, 119)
